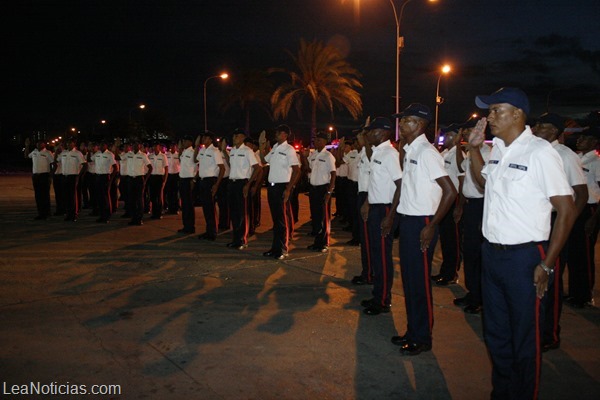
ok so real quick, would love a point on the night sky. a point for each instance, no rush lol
(72, 63)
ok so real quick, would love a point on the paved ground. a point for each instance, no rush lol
(172, 317)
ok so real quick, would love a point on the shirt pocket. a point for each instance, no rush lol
(516, 181)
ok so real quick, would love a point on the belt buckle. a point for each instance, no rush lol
(272, 183)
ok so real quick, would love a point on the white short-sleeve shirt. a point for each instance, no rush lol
(571, 163)
(323, 164)
(451, 166)
(471, 188)
(281, 158)
(72, 161)
(385, 170)
(352, 159)
(209, 158)
(159, 163)
(104, 162)
(423, 164)
(591, 170)
(188, 164)
(242, 159)
(41, 161)
(364, 171)
(520, 179)
(173, 162)
(137, 164)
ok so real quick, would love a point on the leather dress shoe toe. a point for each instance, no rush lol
(269, 253)
(375, 309)
(367, 302)
(460, 301)
(359, 280)
(413, 349)
(241, 246)
(550, 346)
(472, 309)
(446, 281)
(436, 277)
(280, 256)
(399, 340)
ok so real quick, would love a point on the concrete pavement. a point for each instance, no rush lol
(168, 316)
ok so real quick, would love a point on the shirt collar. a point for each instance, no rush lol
(382, 145)
(418, 141)
(523, 138)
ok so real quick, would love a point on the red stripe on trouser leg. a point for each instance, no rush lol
(538, 353)
(557, 293)
(327, 226)
(384, 262)
(370, 273)
(245, 216)
(285, 220)
(427, 281)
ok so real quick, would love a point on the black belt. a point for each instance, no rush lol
(239, 180)
(504, 247)
(280, 183)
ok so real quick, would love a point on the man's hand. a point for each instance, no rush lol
(540, 281)
(477, 136)
(364, 211)
(213, 191)
(246, 189)
(426, 236)
(457, 214)
(387, 224)
(286, 196)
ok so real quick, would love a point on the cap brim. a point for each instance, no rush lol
(483, 101)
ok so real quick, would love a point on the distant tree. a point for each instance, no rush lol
(249, 92)
(324, 80)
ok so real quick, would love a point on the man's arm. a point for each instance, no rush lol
(476, 139)
(565, 217)
(215, 187)
(448, 197)
(291, 183)
(388, 222)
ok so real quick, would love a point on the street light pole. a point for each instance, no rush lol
(222, 76)
(439, 100)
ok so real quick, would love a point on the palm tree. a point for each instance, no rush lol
(325, 79)
(253, 90)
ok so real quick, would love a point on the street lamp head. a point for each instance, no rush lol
(142, 106)
(446, 68)
(103, 121)
(224, 75)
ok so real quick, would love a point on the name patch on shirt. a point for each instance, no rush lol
(447, 162)
(321, 160)
(518, 166)
(377, 162)
(283, 154)
(493, 162)
(413, 162)
(586, 170)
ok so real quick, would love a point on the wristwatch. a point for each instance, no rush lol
(546, 268)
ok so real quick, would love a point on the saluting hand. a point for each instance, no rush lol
(477, 136)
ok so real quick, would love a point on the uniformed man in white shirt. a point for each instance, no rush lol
(449, 228)
(243, 173)
(284, 171)
(74, 165)
(58, 181)
(210, 174)
(524, 179)
(221, 197)
(42, 166)
(254, 202)
(158, 179)
(322, 182)
(582, 267)
(124, 153)
(90, 177)
(172, 186)
(106, 170)
(188, 170)
(352, 160)
(427, 195)
(469, 211)
(379, 213)
(364, 171)
(550, 126)
(139, 169)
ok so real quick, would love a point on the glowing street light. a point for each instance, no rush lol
(399, 46)
(439, 100)
(223, 76)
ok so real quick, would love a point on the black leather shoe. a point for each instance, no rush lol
(445, 281)
(269, 253)
(40, 218)
(413, 349)
(550, 346)
(280, 256)
(436, 277)
(320, 249)
(399, 340)
(311, 247)
(460, 301)
(367, 302)
(102, 221)
(359, 280)
(183, 230)
(573, 302)
(241, 246)
(472, 309)
(231, 244)
(375, 309)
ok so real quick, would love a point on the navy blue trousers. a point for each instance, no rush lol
(512, 319)
(381, 254)
(472, 239)
(415, 268)
(208, 205)
(238, 209)
(365, 251)
(282, 218)
(450, 244)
